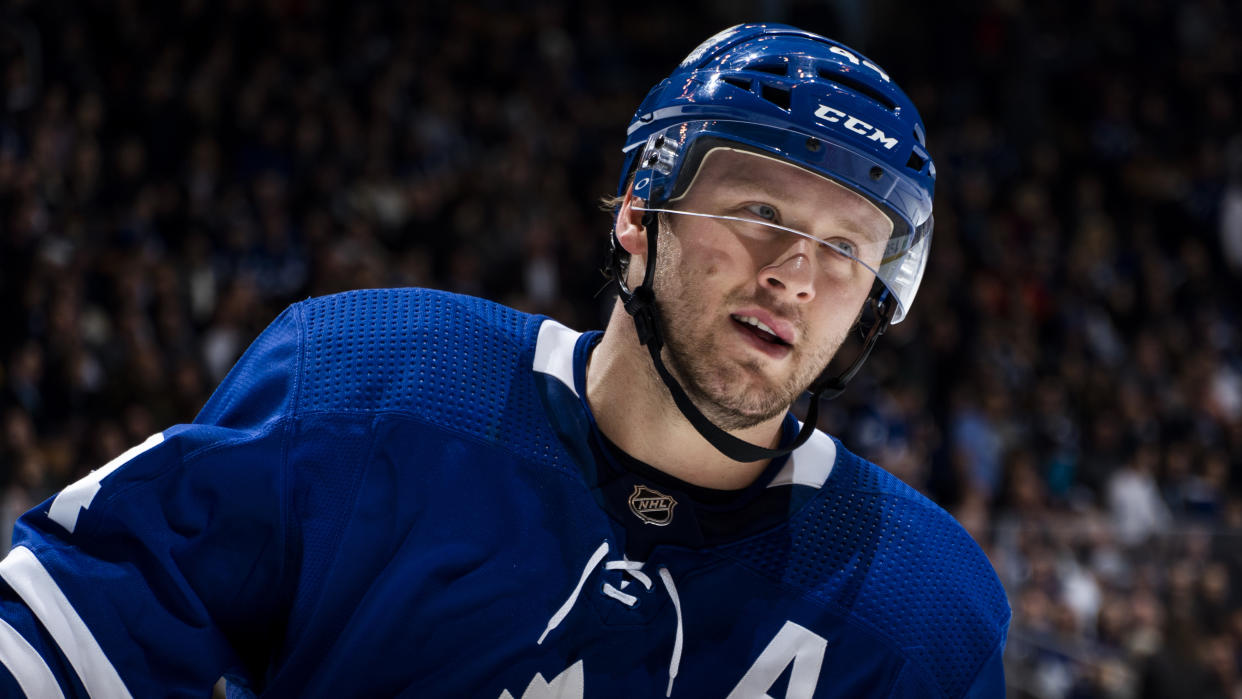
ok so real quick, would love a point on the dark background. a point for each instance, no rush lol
(1068, 385)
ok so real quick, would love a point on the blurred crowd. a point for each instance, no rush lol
(1068, 385)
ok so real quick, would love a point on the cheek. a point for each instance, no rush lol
(840, 311)
(754, 254)
(722, 255)
(702, 257)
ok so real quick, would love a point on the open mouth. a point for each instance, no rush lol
(757, 328)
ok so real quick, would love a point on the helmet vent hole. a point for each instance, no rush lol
(850, 82)
(776, 95)
(916, 162)
(770, 68)
(739, 83)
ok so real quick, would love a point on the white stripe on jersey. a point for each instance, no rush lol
(25, 574)
(26, 665)
(809, 464)
(554, 352)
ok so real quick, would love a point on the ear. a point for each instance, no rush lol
(630, 231)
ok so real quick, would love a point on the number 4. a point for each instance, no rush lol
(70, 502)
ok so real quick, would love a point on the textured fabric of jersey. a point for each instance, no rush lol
(404, 493)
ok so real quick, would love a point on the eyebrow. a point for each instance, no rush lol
(748, 179)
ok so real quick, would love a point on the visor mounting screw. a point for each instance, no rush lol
(659, 141)
(876, 173)
(813, 145)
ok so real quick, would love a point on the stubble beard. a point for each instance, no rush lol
(733, 394)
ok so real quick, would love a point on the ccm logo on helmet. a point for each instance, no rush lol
(858, 126)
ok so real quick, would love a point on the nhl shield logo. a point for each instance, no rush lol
(652, 506)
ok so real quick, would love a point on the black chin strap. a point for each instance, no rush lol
(640, 304)
(882, 309)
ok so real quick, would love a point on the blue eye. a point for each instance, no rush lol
(763, 211)
(844, 246)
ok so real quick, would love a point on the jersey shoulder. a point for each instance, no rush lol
(455, 361)
(461, 363)
(410, 350)
(886, 557)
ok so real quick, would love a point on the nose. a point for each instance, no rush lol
(792, 275)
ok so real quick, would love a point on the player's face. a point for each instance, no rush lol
(753, 314)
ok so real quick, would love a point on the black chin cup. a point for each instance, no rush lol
(640, 304)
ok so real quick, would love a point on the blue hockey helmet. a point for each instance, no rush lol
(802, 98)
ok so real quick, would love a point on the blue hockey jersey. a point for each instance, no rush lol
(403, 493)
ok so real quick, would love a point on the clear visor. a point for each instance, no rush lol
(769, 199)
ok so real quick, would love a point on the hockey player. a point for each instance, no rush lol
(406, 492)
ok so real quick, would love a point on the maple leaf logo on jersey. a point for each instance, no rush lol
(652, 506)
(567, 685)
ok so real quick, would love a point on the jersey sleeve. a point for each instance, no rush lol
(170, 566)
(990, 681)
